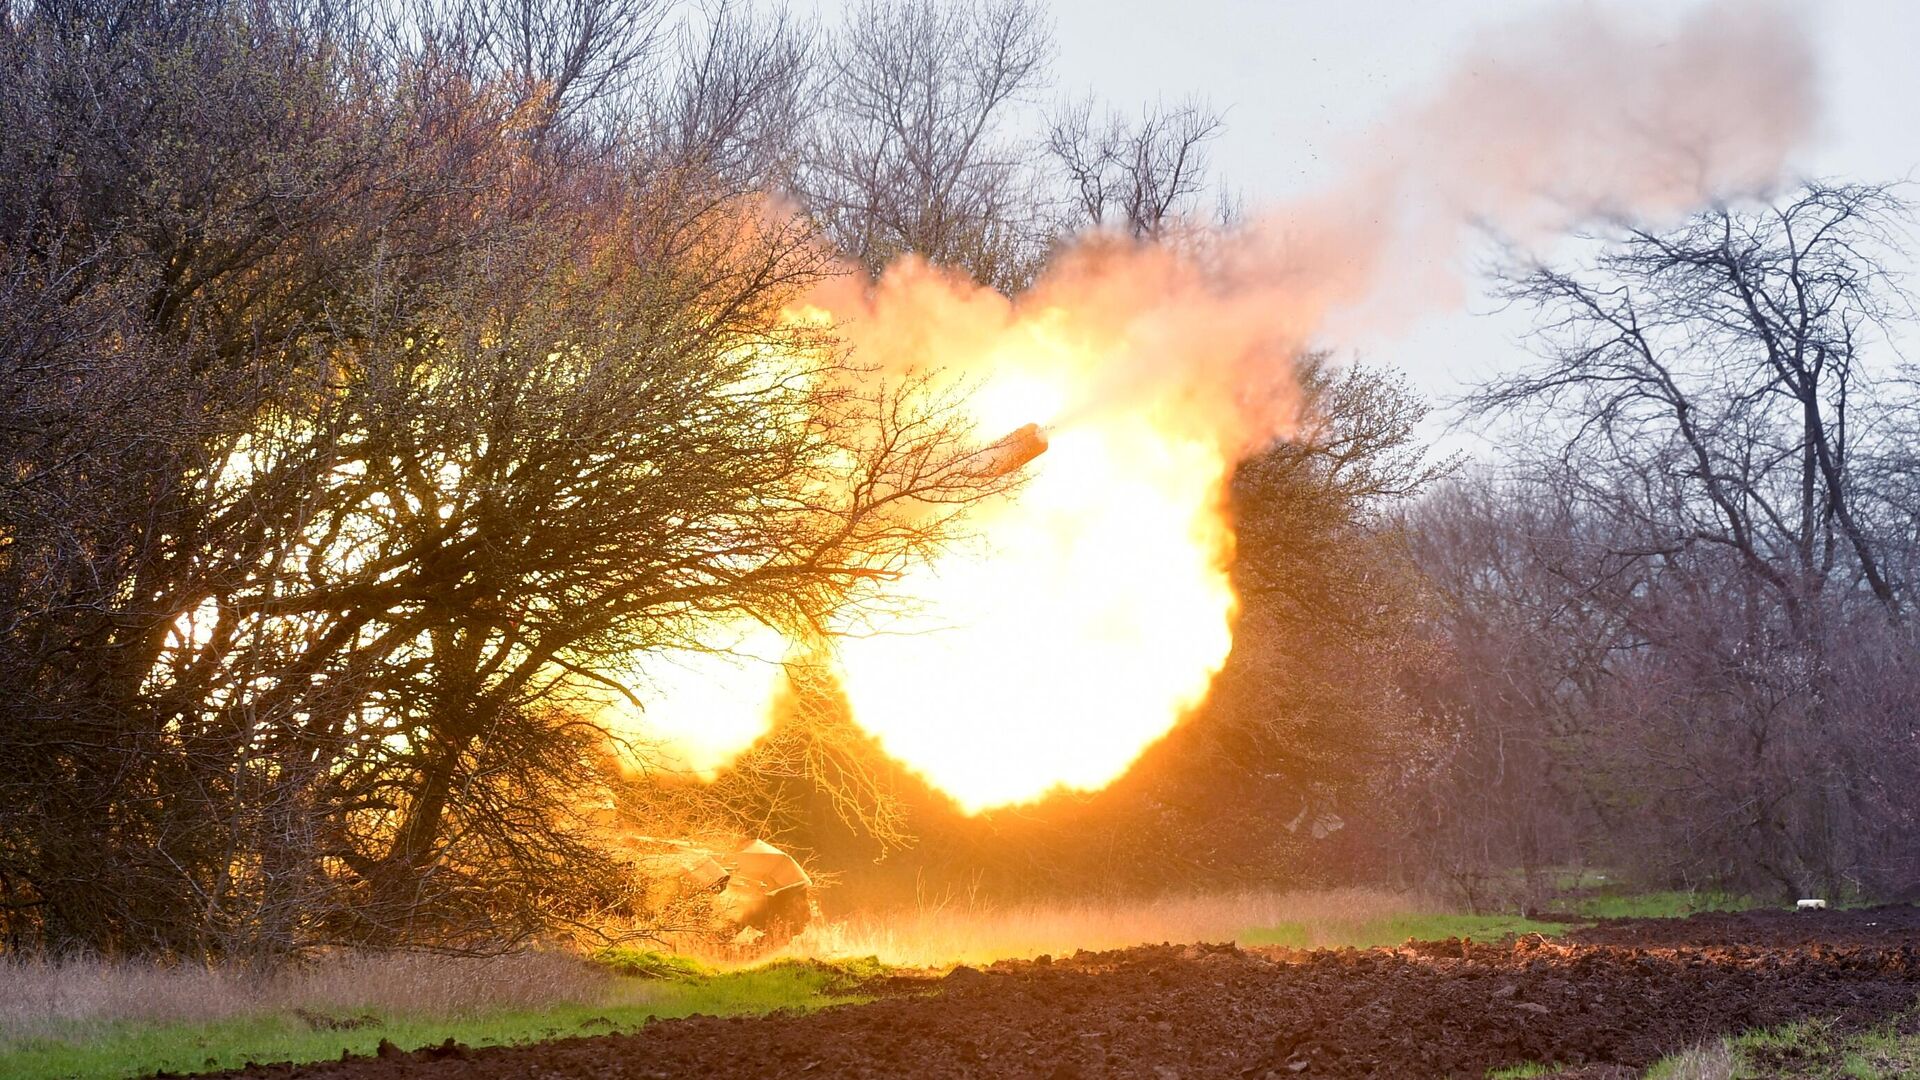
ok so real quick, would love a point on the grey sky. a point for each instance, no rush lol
(1298, 78)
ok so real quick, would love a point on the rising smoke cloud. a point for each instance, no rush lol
(1102, 607)
(1544, 123)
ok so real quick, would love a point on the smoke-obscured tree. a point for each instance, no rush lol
(915, 152)
(1713, 433)
(1307, 730)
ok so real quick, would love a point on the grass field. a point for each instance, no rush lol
(1394, 929)
(1422, 923)
(86, 1019)
(1657, 905)
(89, 1019)
(95, 1020)
(935, 935)
(1888, 1052)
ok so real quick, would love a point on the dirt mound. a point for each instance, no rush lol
(1860, 926)
(1440, 1009)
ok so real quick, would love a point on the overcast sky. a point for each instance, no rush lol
(1295, 78)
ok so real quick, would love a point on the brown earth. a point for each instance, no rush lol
(1158, 1012)
(1862, 926)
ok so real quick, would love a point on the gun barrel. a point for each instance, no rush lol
(1022, 445)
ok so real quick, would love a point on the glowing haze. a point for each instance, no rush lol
(1096, 608)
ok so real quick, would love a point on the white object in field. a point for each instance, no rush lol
(1810, 905)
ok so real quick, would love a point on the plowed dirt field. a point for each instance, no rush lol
(1610, 1000)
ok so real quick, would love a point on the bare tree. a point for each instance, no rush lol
(914, 154)
(1728, 354)
(740, 99)
(559, 59)
(1140, 179)
(186, 205)
(1522, 582)
(1704, 417)
(355, 443)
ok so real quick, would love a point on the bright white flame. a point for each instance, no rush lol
(1094, 620)
(704, 708)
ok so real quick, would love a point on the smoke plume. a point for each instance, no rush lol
(1544, 123)
(1101, 608)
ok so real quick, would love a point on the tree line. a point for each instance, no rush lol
(1679, 613)
(377, 380)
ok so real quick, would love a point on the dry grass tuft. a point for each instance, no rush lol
(43, 997)
(934, 935)
(1714, 1061)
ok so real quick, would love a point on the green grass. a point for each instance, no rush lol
(1817, 1048)
(1658, 905)
(1881, 1053)
(651, 964)
(123, 1049)
(1396, 929)
(1428, 927)
(1730, 1057)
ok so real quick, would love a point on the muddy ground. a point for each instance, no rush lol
(1864, 926)
(1621, 996)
